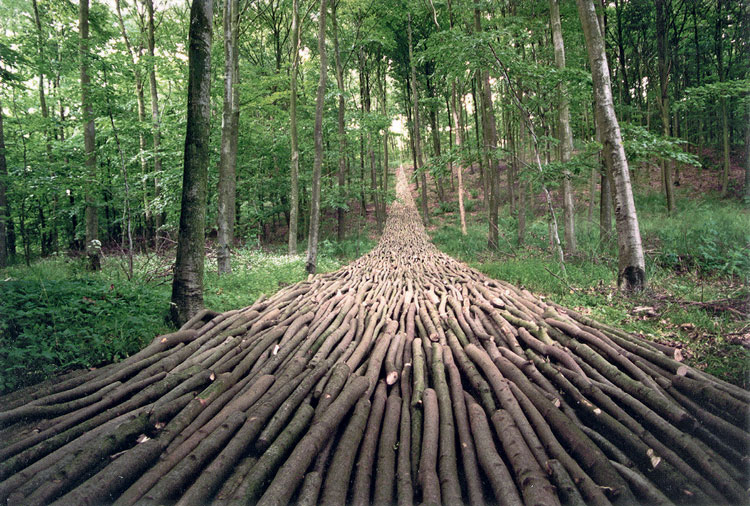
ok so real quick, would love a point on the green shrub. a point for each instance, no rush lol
(50, 326)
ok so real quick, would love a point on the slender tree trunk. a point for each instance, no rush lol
(135, 57)
(747, 154)
(416, 134)
(229, 133)
(294, 167)
(340, 216)
(564, 131)
(312, 240)
(3, 197)
(490, 145)
(458, 120)
(664, 71)
(93, 245)
(187, 286)
(159, 215)
(631, 271)
(384, 185)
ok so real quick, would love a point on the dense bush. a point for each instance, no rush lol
(49, 326)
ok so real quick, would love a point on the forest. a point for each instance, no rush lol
(252, 230)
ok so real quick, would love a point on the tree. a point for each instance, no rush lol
(93, 245)
(662, 42)
(312, 239)
(187, 286)
(416, 136)
(155, 119)
(631, 275)
(229, 136)
(3, 196)
(294, 166)
(565, 133)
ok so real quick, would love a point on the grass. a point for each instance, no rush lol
(697, 255)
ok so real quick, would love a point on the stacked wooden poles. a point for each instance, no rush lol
(404, 377)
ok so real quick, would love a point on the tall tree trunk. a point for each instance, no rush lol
(490, 145)
(664, 71)
(340, 216)
(93, 245)
(458, 120)
(187, 286)
(3, 197)
(155, 118)
(135, 56)
(229, 133)
(52, 234)
(419, 160)
(294, 166)
(564, 131)
(312, 240)
(384, 184)
(721, 69)
(631, 270)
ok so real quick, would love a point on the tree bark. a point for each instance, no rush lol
(155, 117)
(340, 216)
(294, 166)
(489, 129)
(93, 245)
(631, 274)
(312, 242)
(187, 286)
(418, 158)
(3, 197)
(229, 133)
(564, 131)
(664, 70)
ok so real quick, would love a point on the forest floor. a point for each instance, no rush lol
(59, 316)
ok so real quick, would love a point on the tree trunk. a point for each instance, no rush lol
(187, 286)
(229, 133)
(489, 129)
(664, 71)
(419, 161)
(631, 270)
(312, 240)
(564, 131)
(294, 167)
(155, 119)
(458, 121)
(340, 215)
(4, 215)
(93, 245)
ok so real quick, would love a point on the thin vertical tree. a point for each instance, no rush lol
(3, 196)
(294, 167)
(312, 240)
(564, 131)
(489, 136)
(631, 275)
(155, 117)
(187, 285)
(662, 49)
(341, 118)
(93, 246)
(229, 136)
(418, 160)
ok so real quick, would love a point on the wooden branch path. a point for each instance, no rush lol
(404, 377)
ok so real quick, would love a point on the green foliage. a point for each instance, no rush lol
(709, 236)
(54, 325)
(642, 145)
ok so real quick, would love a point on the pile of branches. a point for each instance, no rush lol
(404, 377)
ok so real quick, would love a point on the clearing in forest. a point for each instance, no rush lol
(403, 377)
